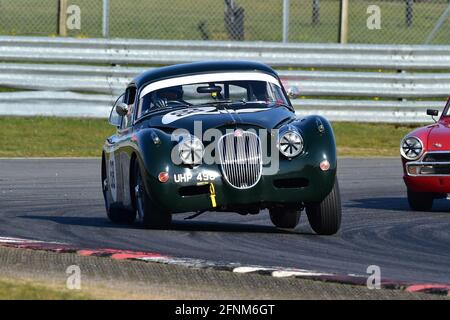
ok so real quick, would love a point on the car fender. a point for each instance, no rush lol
(319, 145)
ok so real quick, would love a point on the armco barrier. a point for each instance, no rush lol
(359, 83)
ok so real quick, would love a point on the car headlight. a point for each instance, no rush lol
(290, 144)
(191, 150)
(411, 148)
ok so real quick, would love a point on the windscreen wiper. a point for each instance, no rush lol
(277, 104)
(155, 111)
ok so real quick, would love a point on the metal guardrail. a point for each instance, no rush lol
(141, 52)
(48, 103)
(65, 73)
(69, 104)
(102, 79)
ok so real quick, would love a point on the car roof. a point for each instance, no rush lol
(199, 67)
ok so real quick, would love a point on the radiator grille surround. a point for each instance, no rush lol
(240, 158)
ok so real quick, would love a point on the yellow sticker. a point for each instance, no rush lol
(212, 195)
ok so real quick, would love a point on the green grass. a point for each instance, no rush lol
(369, 139)
(52, 137)
(65, 137)
(27, 290)
(179, 19)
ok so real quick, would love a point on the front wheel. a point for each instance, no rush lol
(151, 216)
(420, 201)
(325, 217)
(284, 217)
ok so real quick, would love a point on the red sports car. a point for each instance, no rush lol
(426, 161)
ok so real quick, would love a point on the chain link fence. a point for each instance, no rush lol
(401, 21)
(369, 21)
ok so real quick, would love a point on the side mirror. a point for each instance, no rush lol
(122, 109)
(432, 112)
(114, 119)
(293, 92)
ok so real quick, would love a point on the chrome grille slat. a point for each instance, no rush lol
(240, 159)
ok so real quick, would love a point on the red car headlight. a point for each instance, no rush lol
(411, 148)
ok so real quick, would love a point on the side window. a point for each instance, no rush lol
(114, 118)
(129, 99)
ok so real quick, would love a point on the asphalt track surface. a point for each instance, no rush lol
(60, 200)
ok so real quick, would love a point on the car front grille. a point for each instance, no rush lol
(240, 158)
(432, 164)
(437, 157)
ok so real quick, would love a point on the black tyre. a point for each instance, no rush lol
(420, 201)
(151, 216)
(117, 214)
(325, 217)
(284, 217)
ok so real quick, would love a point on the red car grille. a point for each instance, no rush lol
(437, 157)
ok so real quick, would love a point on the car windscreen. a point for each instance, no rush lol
(212, 93)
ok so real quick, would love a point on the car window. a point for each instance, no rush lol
(236, 92)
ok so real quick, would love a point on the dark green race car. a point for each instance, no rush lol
(217, 136)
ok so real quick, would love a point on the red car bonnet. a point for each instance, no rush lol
(439, 137)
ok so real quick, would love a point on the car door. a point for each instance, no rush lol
(110, 154)
(123, 151)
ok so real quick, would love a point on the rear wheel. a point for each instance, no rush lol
(325, 217)
(420, 201)
(151, 216)
(284, 217)
(116, 213)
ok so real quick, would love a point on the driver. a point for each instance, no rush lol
(260, 91)
(164, 96)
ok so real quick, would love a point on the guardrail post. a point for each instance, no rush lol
(62, 13)
(105, 22)
(285, 20)
(343, 22)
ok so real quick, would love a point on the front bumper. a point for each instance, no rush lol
(428, 174)
(295, 182)
(435, 184)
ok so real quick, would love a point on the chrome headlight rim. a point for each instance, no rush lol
(405, 154)
(191, 150)
(291, 143)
